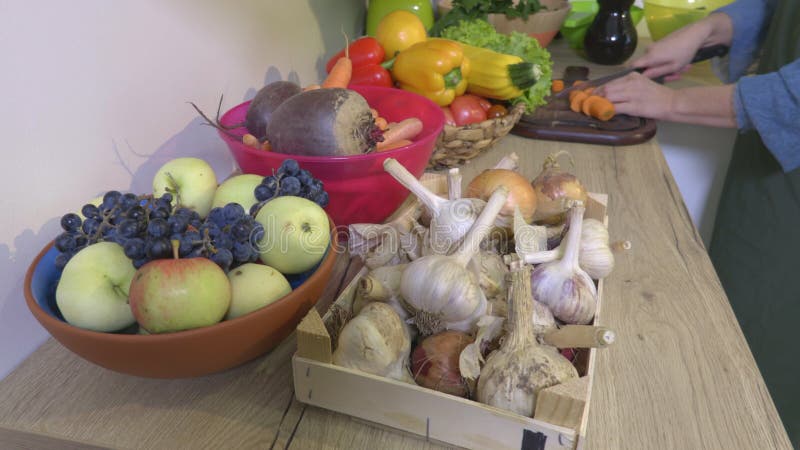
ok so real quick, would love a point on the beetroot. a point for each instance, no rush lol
(267, 99)
(323, 122)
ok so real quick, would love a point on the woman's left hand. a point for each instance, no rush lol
(637, 95)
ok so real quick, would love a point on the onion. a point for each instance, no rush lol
(520, 193)
(435, 363)
(553, 186)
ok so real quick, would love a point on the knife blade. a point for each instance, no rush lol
(701, 55)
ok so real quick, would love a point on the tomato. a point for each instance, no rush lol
(485, 103)
(448, 116)
(496, 111)
(467, 109)
(399, 30)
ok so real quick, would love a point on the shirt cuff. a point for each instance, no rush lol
(770, 104)
(749, 29)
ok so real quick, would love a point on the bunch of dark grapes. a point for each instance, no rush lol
(289, 179)
(145, 227)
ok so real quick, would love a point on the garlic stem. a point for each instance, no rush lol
(620, 246)
(510, 162)
(454, 183)
(407, 179)
(482, 226)
(572, 250)
(373, 289)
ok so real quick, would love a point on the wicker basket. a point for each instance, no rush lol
(457, 145)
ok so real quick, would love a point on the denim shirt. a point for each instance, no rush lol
(768, 103)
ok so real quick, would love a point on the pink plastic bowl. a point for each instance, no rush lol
(360, 190)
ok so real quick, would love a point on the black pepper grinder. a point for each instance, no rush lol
(611, 38)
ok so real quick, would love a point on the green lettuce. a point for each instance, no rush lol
(480, 33)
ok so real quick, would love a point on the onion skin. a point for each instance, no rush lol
(434, 363)
(552, 186)
(520, 193)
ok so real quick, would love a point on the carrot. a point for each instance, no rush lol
(396, 131)
(381, 123)
(311, 87)
(342, 72)
(250, 140)
(576, 100)
(589, 90)
(587, 103)
(602, 109)
(395, 144)
(375, 113)
(573, 93)
(577, 82)
(557, 85)
(266, 146)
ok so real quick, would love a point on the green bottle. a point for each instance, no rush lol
(379, 8)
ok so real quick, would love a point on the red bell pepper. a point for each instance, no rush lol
(362, 52)
(371, 75)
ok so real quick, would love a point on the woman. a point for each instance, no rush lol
(755, 247)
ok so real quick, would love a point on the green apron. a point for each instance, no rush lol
(755, 247)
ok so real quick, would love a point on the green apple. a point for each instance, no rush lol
(169, 295)
(191, 181)
(237, 189)
(255, 286)
(93, 290)
(296, 234)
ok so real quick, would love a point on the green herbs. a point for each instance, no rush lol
(480, 9)
(480, 33)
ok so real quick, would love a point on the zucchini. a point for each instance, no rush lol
(497, 75)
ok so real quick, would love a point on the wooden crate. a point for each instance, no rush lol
(561, 411)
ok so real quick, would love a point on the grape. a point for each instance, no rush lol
(65, 242)
(290, 186)
(178, 223)
(241, 230)
(128, 201)
(321, 199)
(157, 228)
(61, 260)
(90, 226)
(158, 248)
(211, 228)
(71, 222)
(186, 244)
(90, 211)
(289, 167)
(216, 216)
(241, 251)
(128, 228)
(140, 262)
(223, 258)
(257, 233)
(232, 212)
(305, 177)
(159, 212)
(134, 248)
(223, 240)
(167, 197)
(136, 212)
(270, 181)
(263, 192)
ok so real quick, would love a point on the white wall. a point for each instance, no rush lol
(94, 98)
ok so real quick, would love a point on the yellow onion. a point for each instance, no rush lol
(553, 187)
(520, 194)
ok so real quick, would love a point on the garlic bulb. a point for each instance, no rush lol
(451, 219)
(562, 285)
(439, 291)
(513, 375)
(376, 341)
(491, 272)
(382, 284)
(595, 255)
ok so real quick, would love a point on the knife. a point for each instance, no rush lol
(701, 55)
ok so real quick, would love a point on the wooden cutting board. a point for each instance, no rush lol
(555, 121)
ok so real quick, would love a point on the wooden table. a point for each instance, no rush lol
(680, 375)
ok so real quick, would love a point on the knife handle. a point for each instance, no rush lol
(710, 52)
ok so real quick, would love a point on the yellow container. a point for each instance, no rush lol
(665, 16)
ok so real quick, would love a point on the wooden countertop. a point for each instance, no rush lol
(680, 374)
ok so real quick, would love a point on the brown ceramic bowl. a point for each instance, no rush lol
(182, 354)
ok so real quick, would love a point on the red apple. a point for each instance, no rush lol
(169, 295)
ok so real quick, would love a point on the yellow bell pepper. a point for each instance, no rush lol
(436, 68)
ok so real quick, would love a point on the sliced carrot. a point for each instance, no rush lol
(395, 144)
(311, 87)
(589, 90)
(574, 92)
(577, 100)
(602, 109)
(588, 102)
(577, 82)
(557, 85)
(396, 131)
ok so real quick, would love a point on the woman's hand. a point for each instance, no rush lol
(670, 56)
(637, 95)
